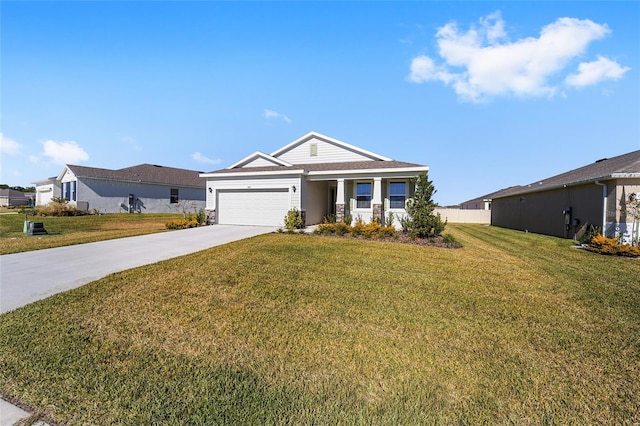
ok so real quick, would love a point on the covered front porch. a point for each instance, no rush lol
(366, 197)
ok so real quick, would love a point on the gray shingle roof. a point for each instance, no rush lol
(352, 165)
(146, 173)
(625, 165)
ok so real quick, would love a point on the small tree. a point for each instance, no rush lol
(421, 222)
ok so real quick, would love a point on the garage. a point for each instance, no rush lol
(266, 207)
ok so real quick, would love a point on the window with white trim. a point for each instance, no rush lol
(397, 195)
(363, 195)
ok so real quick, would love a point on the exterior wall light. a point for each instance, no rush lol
(210, 190)
(294, 188)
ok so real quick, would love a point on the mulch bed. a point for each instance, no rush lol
(400, 238)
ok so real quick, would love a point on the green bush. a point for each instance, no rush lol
(201, 217)
(181, 224)
(293, 220)
(449, 239)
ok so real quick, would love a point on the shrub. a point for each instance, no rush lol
(391, 219)
(293, 220)
(589, 234)
(348, 219)
(181, 224)
(59, 207)
(449, 239)
(201, 217)
(422, 223)
(611, 246)
(330, 218)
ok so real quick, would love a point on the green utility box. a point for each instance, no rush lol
(34, 228)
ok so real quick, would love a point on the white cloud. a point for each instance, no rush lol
(68, 152)
(202, 159)
(482, 62)
(274, 115)
(590, 73)
(9, 146)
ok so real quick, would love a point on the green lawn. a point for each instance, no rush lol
(64, 231)
(513, 328)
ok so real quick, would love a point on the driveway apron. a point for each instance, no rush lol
(30, 276)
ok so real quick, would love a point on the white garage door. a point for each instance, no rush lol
(266, 207)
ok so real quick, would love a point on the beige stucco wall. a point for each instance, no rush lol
(464, 215)
(619, 223)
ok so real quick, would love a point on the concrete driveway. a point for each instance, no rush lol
(27, 277)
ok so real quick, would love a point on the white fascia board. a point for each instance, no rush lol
(378, 172)
(64, 170)
(259, 154)
(332, 140)
(222, 176)
(625, 175)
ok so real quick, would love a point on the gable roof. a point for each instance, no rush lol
(316, 135)
(142, 173)
(621, 166)
(256, 155)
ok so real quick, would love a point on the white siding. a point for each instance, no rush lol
(327, 153)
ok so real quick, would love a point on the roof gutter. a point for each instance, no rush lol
(604, 204)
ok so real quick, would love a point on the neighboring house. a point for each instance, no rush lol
(46, 190)
(13, 197)
(567, 204)
(145, 188)
(484, 202)
(316, 174)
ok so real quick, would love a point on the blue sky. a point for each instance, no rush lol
(487, 94)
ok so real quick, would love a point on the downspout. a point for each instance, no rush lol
(604, 204)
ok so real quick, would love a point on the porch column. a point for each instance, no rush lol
(376, 202)
(340, 206)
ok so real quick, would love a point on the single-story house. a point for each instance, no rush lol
(316, 174)
(47, 190)
(12, 197)
(567, 204)
(145, 188)
(483, 202)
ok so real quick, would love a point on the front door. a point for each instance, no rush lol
(332, 200)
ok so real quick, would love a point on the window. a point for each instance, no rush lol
(174, 196)
(397, 194)
(67, 191)
(363, 195)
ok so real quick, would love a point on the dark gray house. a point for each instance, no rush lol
(12, 197)
(567, 204)
(145, 188)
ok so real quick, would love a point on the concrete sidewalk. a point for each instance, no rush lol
(11, 414)
(27, 277)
